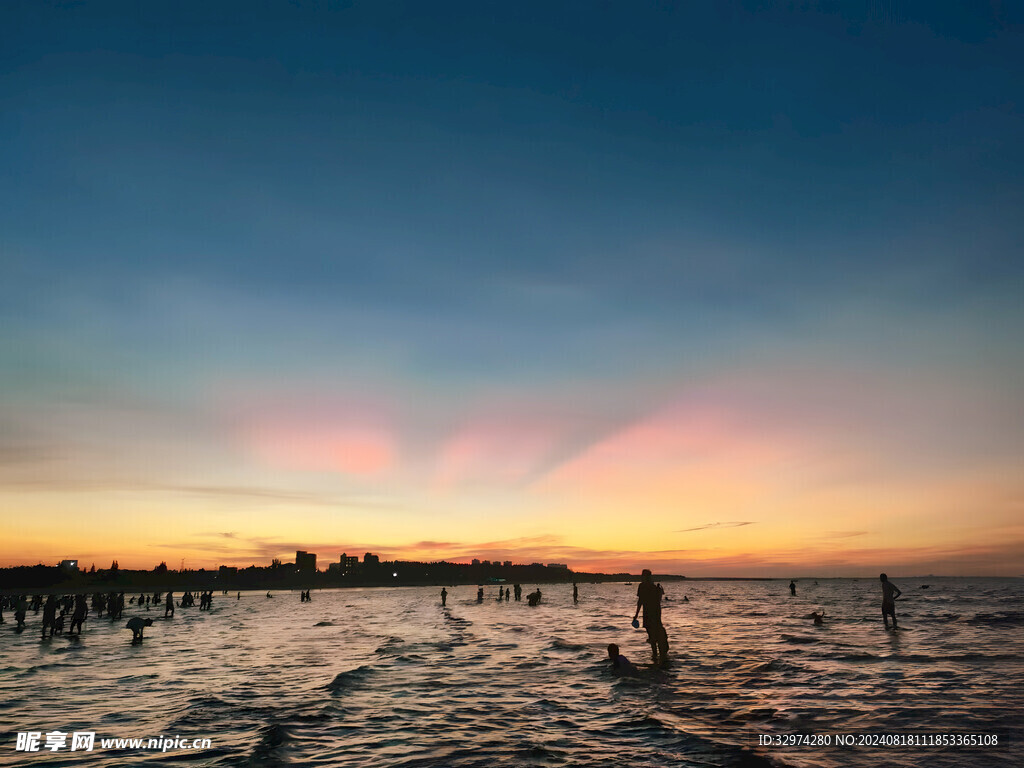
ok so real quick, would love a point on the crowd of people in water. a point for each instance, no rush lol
(66, 614)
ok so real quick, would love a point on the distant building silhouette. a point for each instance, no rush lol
(69, 565)
(563, 566)
(369, 559)
(305, 561)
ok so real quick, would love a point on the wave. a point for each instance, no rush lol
(924, 658)
(345, 680)
(1005, 619)
(273, 741)
(800, 639)
(324, 624)
(564, 645)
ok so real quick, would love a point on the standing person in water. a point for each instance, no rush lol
(575, 593)
(81, 609)
(648, 597)
(889, 594)
(444, 597)
(49, 615)
(480, 594)
(792, 587)
(169, 605)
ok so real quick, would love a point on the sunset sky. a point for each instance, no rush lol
(723, 289)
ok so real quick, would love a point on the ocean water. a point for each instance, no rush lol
(386, 677)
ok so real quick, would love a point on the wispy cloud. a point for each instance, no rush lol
(842, 534)
(710, 526)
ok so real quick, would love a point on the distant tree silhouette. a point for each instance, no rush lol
(162, 568)
(113, 567)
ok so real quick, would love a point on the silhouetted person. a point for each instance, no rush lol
(575, 593)
(534, 597)
(648, 597)
(79, 615)
(136, 624)
(519, 592)
(480, 594)
(169, 605)
(239, 596)
(49, 615)
(818, 618)
(20, 606)
(619, 662)
(508, 593)
(444, 597)
(889, 594)
(792, 587)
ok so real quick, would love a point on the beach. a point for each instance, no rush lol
(387, 677)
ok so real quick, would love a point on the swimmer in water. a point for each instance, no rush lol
(819, 618)
(619, 662)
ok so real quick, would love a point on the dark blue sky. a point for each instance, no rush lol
(586, 207)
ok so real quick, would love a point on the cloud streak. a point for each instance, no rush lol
(716, 526)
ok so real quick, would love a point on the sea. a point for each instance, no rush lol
(387, 677)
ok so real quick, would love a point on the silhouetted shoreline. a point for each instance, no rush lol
(53, 579)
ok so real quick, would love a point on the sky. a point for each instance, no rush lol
(720, 289)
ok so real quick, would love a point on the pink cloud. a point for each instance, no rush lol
(495, 449)
(338, 449)
(692, 435)
(317, 438)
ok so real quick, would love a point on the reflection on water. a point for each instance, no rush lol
(386, 677)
